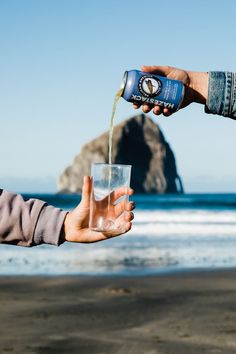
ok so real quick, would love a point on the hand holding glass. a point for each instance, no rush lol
(109, 197)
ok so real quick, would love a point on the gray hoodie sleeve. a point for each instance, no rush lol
(29, 223)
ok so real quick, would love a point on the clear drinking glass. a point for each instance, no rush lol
(110, 185)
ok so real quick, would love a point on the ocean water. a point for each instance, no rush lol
(170, 233)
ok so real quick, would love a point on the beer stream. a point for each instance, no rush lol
(116, 100)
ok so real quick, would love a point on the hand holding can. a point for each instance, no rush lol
(195, 87)
(143, 88)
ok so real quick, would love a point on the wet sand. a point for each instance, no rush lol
(182, 313)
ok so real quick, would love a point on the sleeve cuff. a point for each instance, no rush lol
(220, 94)
(49, 226)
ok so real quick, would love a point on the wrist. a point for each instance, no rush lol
(64, 230)
(199, 86)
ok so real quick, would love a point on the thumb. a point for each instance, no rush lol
(86, 191)
(161, 70)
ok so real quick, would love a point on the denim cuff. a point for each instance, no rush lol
(221, 94)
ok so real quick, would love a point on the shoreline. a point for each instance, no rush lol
(191, 312)
(165, 272)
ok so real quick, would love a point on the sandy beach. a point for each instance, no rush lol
(181, 313)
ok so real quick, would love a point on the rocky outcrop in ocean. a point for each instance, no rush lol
(137, 141)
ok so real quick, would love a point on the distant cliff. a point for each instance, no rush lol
(137, 141)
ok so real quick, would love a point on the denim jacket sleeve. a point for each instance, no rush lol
(222, 94)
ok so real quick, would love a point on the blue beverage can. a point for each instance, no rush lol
(141, 87)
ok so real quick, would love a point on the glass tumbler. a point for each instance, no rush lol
(110, 186)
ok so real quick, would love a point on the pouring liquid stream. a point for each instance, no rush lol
(116, 100)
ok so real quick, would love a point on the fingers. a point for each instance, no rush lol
(128, 227)
(129, 216)
(123, 222)
(157, 110)
(124, 214)
(86, 190)
(109, 234)
(119, 192)
(146, 108)
(136, 105)
(95, 236)
(167, 112)
(155, 69)
(123, 206)
(130, 206)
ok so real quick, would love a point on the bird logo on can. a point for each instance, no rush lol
(149, 86)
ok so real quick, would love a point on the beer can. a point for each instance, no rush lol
(141, 87)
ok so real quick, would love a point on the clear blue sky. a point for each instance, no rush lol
(62, 62)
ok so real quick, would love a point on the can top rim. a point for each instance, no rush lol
(124, 81)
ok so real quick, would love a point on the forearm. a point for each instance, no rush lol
(199, 86)
(216, 90)
(28, 223)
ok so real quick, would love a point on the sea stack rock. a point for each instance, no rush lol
(137, 141)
